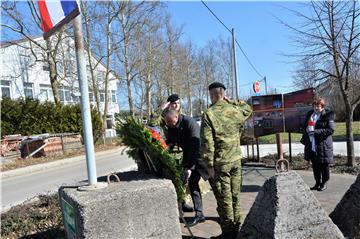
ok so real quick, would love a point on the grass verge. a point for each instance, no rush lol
(339, 134)
(38, 219)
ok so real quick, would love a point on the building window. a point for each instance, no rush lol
(102, 96)
(46, 68)
(109, 122)
(65, 95)
(45, 93)
(113, 96)
(91, 97)
(28, 90)
(5, 89)
(75, 98)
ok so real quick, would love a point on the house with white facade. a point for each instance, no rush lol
(25, 73)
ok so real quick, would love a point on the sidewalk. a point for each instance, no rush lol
(297, 148)
(253, 179)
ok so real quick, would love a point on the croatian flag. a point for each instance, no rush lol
(56, 13)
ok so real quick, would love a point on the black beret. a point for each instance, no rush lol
(216, 85)
(173, 98)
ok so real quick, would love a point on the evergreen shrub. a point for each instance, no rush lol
(30, 116)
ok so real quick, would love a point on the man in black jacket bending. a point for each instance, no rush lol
(185, 132)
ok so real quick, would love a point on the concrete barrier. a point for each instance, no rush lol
(137, 207)
(286, 208)
(346, 214)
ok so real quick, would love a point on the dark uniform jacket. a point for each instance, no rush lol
(324, 128)
(186, 135)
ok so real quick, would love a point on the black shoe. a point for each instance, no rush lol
(217, 237)
(225, 235)
(187, 208)
(316, 187)
(322, 187)
(196, 220)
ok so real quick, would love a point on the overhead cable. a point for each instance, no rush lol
(242, 51)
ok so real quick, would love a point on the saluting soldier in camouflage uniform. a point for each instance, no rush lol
(221, 128)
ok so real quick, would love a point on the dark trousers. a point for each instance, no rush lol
(195, 192)
(321, 170)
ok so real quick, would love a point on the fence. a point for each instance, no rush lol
(40, 145)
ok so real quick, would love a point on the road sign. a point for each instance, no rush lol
(56, 13)
(256, 86)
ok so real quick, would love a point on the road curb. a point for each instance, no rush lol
(43, 166)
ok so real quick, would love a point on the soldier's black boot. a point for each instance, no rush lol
(322, 187)
(316, 186)
(186, 207)
(197, 219)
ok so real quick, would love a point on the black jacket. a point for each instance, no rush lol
(186, 134)
(324, 128)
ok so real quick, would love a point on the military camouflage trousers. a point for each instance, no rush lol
(226, 187)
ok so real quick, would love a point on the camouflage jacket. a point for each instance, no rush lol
(157, 119)
(221, 129)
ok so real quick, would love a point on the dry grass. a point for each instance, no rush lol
(39, 219)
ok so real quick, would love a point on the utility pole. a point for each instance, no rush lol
(235, 65)
(232, 68)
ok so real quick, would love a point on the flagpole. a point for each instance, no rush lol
(85, 105)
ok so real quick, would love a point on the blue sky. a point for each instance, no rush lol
(257, 30)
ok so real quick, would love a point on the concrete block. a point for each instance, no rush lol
(139, 206)
(346, 214)
(286, 208)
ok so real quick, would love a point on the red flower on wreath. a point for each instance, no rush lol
(155, 135)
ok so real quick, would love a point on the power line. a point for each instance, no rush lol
(215, 16)
(248, 60)
(242, 51)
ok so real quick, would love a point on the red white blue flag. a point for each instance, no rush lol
(56, 13)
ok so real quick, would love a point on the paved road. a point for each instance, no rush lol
(20, 185)
(17, 187)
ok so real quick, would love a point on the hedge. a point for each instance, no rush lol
(29, 117)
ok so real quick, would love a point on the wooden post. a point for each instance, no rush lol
(247, 150)
(290, 156)
(280, 151)
(28, 150)
(257, 149)
(62, 144)
(252, 147)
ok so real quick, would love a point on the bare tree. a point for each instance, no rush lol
(88, 43)
(330, 40)
(305, 76)
(209, 68)
(150, 44)
(172, 40)
(131, 19)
